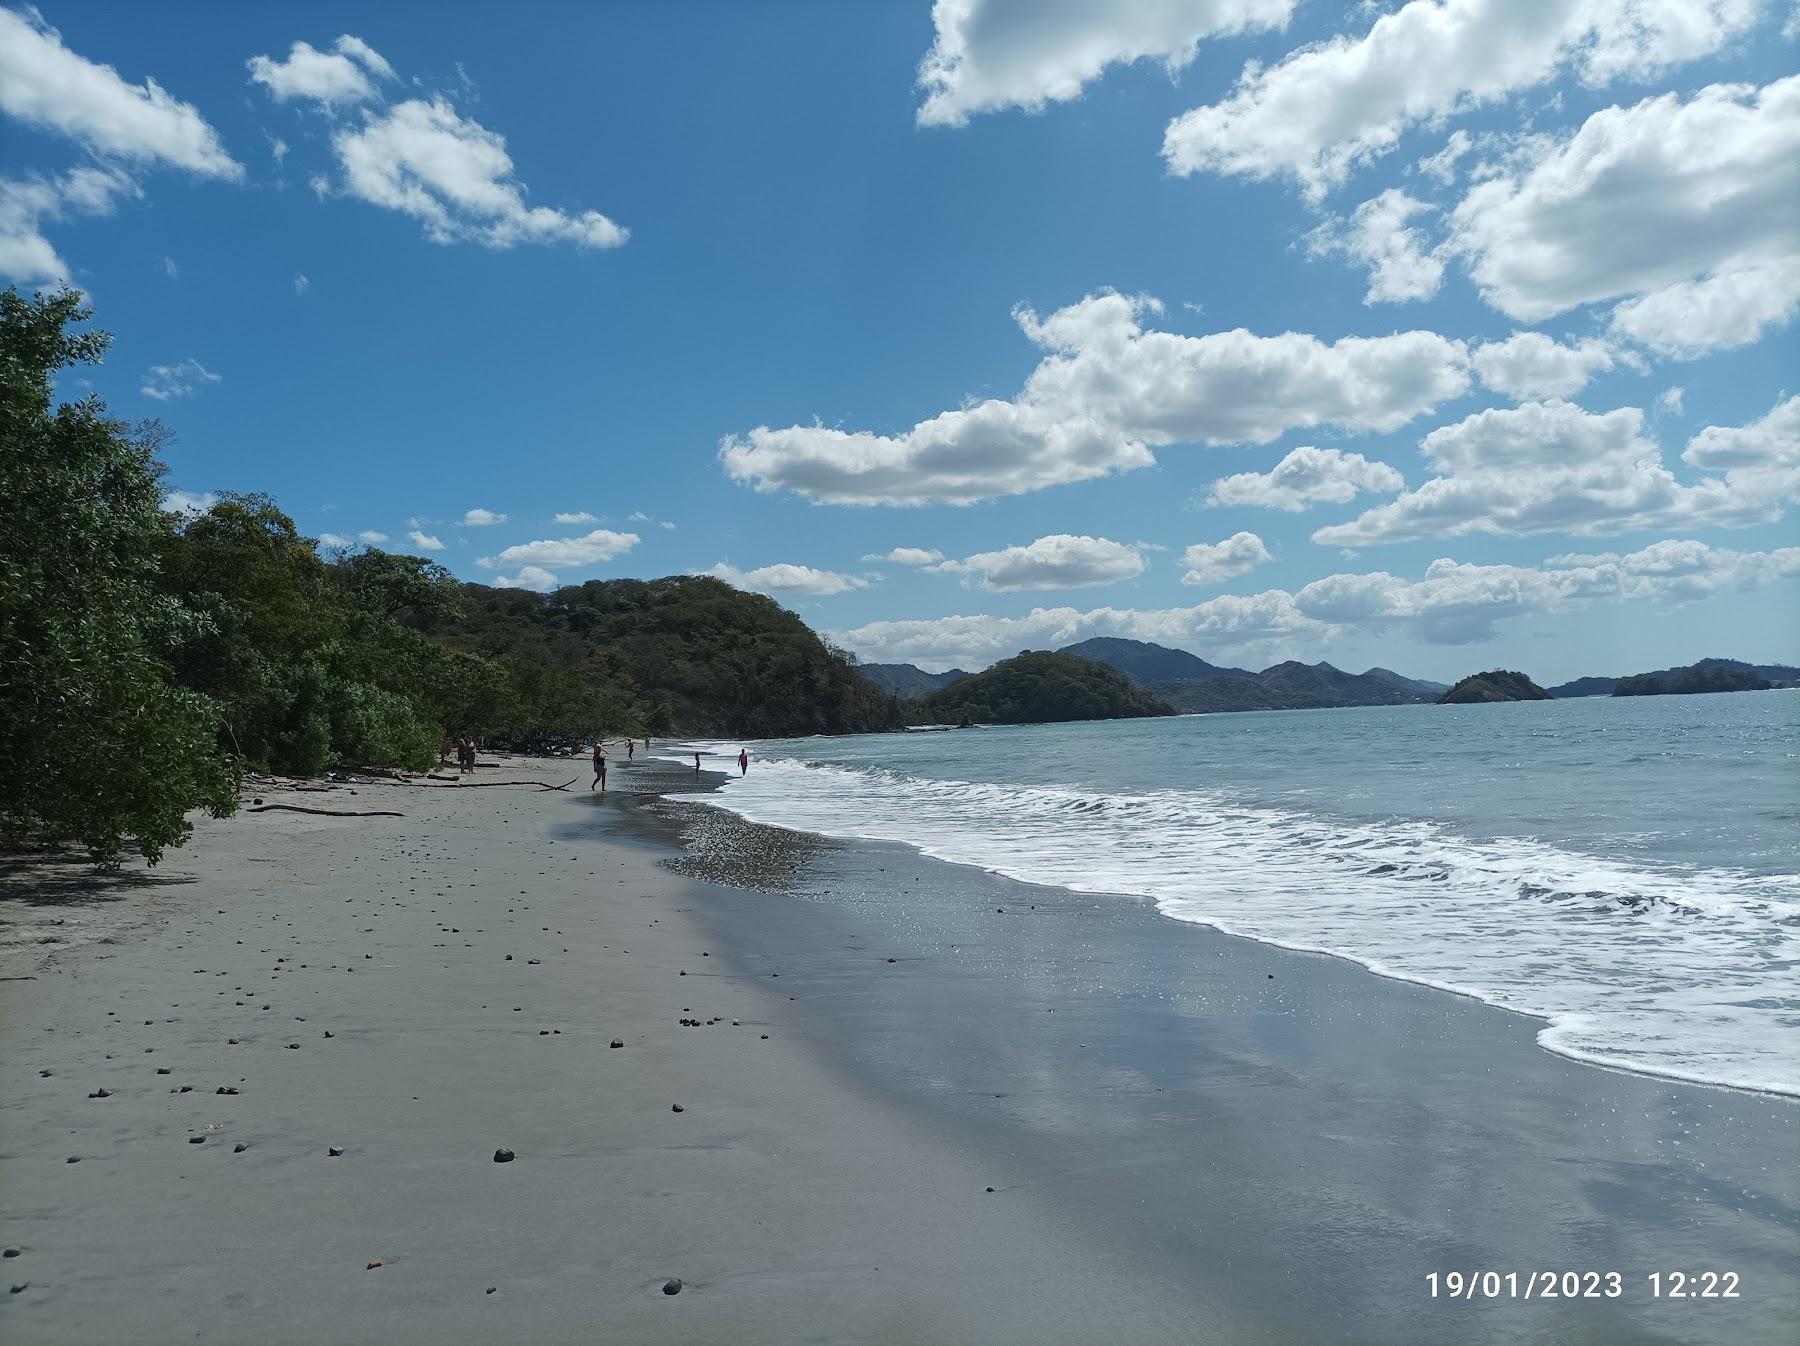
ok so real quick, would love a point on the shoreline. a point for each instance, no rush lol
(1188, 1134)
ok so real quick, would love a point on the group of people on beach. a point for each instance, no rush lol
(600, 760)
(464, 748)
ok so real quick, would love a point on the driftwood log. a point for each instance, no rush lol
(325, 813)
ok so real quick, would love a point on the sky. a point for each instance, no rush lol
(1444, 335)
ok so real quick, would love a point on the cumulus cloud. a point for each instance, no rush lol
(337, 540)
(372, 536)
(164, 382)
(992, 54)
(345, 74)
(529, 577)
(422, 158)
(485, 518)
(1378, 237)
(908, 556)
(1058, 561)
(1105, 392)
(46, 85)
(1329, 107)
(579, 516)
(1545, 467)
(301, 283)
(1307, 476)
(188, 502)
(1683, 209)
(783, 578)
(424, 541)
(1451, 604)
(555, 553)
(1530, 365)
(1214, 562)
(26, 254)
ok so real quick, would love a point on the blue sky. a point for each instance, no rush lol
(1014, 286)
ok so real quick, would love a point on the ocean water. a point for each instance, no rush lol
(1628, 870)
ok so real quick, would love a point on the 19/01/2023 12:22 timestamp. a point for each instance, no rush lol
(1671, 1285)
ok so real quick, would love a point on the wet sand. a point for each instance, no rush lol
(1189, 1137)
(418, 993)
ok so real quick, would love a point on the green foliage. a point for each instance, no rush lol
(1037, 687)
(99, 747)
(1497, 684)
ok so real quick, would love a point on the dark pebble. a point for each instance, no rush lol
(162, 1070)
(616, 1043)
(672, 1286)
(333, 1150)
(225, 1089)
(492, 1288)
(196, 1140)
(9, 1252)
(239, 1148)
(503, 1156)
(101, 1093)
(73, 1159)
(20, 1286)
(678, 1108)
(990, 1189)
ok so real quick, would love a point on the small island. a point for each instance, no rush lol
(1497, 684)
(1703, 677)
(1039, 687)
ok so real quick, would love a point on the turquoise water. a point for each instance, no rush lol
(1625, 869)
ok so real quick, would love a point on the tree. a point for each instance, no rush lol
(99, 748)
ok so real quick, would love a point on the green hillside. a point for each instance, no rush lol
(1038, 687)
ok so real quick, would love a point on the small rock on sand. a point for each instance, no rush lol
(616, 1043)
(677, 1108)
(503, 1156)
(334, 1150)
(672, 1286)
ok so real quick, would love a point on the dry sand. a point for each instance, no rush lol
(419, 992)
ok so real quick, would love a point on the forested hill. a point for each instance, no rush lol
(689, 653)
(1039, 687)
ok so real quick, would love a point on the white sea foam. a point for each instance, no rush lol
(1683, 972)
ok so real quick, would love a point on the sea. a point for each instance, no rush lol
(1625, 869)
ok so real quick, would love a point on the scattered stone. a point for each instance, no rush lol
(225, 1089)
(239, 1148)
(329, 1033)
(162, 1070)
(101, 1093)
(678, 1108)
(196, 1140)
(373, 1265)
(232, 1042)
(503, 1156)
(615, 1043)
(293, 1046)
(892, 960)
(765, 1037)
(19, 1287)
(990, 1189)
(533, 960)
(334, 1150)
(73, 1159)
(672, 1286)
(9, 1252)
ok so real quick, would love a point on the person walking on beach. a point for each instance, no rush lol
(599, 766)
(743, 761)
(465, 755)
(631, 750)
(696, 764)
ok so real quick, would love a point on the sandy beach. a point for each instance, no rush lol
(838, 1093)
(420, 992)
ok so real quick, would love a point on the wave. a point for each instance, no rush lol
(1683, 972)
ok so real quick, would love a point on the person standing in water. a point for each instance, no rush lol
(599, 766)
(696, 764)
(743, 761)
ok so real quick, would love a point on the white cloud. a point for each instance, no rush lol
(908, 556)
(335, 540)
(1105, 391)
(783, 578)
(1215, 562)
(45, 84)
(301, 283)
(424, 541)
(372, 537)
(188, 502)
(171, 269)
(1442, 166)
(26, 255)
(1452, 604)
(338, 76)
(992, 54)
(1377, 236)
(1761, 460)
(1307, 475)
(1669, 400)
(579, 516)
(455, 177)
(1058, 561)
(484, 518)
(637, 516)
(555, 553)
(1683, 209)
(163, 382)
(1551, 467)
(529, 577)
(1530, 365)
(664, 523)
(1329, 107)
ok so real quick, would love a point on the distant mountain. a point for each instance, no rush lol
(1208, 696)
(1040, 687)
(1497, 684)
(1419, 685)
(1715, 676)
(905, 680)
(1141, 661)
(1776, 675)
(1323, 685)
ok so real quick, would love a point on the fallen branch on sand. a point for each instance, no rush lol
(484, 784)
(325, 813)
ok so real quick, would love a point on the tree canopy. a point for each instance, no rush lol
(1037, 687)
